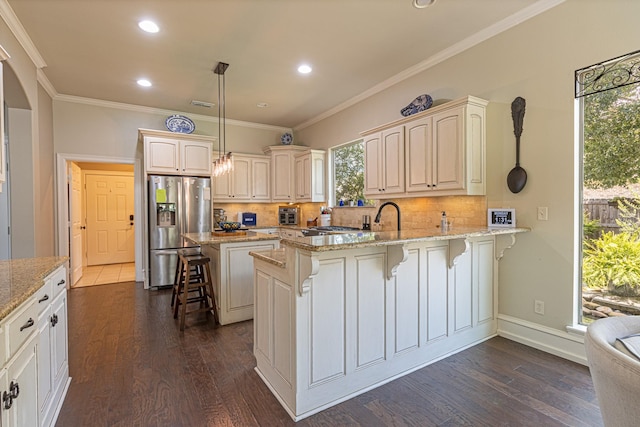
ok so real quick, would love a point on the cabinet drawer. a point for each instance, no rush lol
(21, 324)
(44, 296)
(58, 280)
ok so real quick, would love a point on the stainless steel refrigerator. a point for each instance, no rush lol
(177, 205)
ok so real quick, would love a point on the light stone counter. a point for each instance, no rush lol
(21, 278)
(362, 239)
(211, 239)
(277, 257)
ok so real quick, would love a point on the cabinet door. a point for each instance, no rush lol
(393, 146)
(241, 179)
(196, 158)
(222, 187)
(59, 338)
(162, 155)
(373, 166)
(316, 174)
(23, 372)
(303, 178)
(261, 179)
(419, 158)
(45, 379)
(448, 146)
(282, 177)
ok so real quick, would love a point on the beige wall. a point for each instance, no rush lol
(44, 178)
(113, 132)
(535, 60)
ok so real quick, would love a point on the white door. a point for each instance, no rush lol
(75, 210)
(109, 212)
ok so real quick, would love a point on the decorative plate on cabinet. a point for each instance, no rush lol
(286, 138)
(180, 124)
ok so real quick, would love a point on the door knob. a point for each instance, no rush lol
(83, 228)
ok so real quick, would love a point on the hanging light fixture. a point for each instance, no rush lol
(224, 164)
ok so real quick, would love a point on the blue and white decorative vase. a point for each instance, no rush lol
(421, 103)
(286, 139)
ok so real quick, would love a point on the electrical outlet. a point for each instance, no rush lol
(543, 213)
(538, 307)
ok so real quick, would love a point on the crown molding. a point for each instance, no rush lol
(14, 24)
(46, 84)
(161, 111)
(465, 44)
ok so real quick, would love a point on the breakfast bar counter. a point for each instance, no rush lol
(337, 315)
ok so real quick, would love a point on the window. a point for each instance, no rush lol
(348, 173)
(610, 243)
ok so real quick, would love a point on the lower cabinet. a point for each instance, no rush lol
(21, 391)
(34, 344)
(232, 268)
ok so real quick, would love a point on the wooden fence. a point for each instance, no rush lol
(605, 211)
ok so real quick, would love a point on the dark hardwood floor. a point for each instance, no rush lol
(132, 367)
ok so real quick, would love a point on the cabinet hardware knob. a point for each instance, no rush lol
(61, 282)
(14, 389)
(44, 298)
(7, 400)
(54, 320)
(27, 325)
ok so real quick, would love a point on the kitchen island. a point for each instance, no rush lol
(338, 315)
(231, 267)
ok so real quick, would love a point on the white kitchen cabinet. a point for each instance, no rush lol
(283, 172)
(19, 385)
(310, 176)
(52, 350)
(248, 181)
(384, 163)
(444, 151)
(167, 153)
(232, 268)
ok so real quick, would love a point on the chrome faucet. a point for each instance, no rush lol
(377, 220)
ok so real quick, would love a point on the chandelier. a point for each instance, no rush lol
(224, 163)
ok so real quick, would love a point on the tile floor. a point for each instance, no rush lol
(104, 274)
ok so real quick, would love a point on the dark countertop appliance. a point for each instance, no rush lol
(288, 215)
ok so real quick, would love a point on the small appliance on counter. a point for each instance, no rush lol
(288, 215)
(366, 222)
(218, 217)
(248, 218)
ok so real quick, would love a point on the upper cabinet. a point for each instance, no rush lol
(249, 181)
(310, 172)
(384, 163)
(176, 154)
(297, 173)
(438, 152)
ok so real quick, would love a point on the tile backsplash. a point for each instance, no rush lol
(421, 212)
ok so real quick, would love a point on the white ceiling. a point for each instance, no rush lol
(94, 48)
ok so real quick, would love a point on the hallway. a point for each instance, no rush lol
(105, 274)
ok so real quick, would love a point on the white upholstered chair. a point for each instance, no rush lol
(615, 372)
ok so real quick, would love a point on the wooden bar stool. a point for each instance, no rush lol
(195, 275)
(196, 271)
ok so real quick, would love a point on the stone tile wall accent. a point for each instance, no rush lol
(421, 212)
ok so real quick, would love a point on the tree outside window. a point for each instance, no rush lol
(348, 172)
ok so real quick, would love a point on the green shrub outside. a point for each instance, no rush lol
(612, 261)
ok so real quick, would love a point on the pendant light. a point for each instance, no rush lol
(224, 164)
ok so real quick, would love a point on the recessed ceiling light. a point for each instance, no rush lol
(149, 26)
(421, 4)
(144, 82)
(262, 105)
(304, 69)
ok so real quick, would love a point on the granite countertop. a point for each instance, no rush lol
(332, 242)
(211, 239)
(21, 278)
(277, 257)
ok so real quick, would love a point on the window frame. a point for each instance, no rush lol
(332, 201)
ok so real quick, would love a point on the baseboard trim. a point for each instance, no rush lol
(559, 343)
